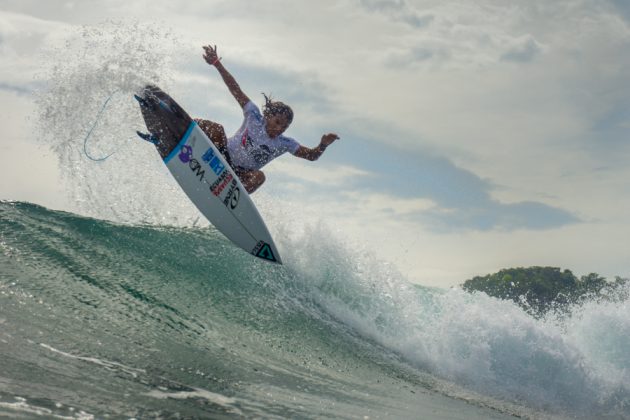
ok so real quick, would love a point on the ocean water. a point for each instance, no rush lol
(108, 320)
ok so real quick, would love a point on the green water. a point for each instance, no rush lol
(99, 320)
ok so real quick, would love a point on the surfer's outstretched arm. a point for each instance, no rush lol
(213, 59)
(314, 153)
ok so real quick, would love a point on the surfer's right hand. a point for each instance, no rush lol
(211, 55)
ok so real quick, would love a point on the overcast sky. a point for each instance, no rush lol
(475, 135)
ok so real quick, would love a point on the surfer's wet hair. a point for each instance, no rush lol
(272, 108)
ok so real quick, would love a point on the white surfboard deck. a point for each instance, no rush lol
(214, 188)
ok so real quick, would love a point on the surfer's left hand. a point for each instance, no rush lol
(328, 139)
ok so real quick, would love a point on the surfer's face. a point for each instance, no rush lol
(276, 125)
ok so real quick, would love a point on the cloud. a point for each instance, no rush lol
(20, 90)
(329, 176)
(463, 200)
(413, 56)
(523, 52)
(459, 38)
(494, 215)
(622, 7)
(389, 205)
(617, 118)
(610, 134)
(62, 10)
(399, 10)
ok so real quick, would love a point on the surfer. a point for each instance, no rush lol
(260, 139)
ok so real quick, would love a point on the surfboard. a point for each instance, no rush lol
(204, 175)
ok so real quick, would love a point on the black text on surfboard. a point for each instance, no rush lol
(233, 195)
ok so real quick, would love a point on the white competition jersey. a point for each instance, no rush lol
(251, 147)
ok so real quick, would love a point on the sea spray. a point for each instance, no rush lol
(99, 63)
(600, 331)
(574, 364)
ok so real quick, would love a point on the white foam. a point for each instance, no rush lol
(21, 406)
(576, 365)
(218, 399)
(105, 363)
(215, 398)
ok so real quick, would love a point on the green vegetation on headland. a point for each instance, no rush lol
(540, 289)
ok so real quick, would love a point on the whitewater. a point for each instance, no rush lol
(132, 306)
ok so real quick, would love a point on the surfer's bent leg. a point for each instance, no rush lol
(216, 133)
(251, 180)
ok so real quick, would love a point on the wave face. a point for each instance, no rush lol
(99, 318)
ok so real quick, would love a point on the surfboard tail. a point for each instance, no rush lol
(267, 252)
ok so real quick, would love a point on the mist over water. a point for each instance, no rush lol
(161, 304)
(110, 62)
(573, 364)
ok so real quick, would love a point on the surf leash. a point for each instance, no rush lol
(98, 116)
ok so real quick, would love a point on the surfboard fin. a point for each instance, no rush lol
(151, 138)
(144, 103)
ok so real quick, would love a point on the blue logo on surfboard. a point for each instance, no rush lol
(213, 161)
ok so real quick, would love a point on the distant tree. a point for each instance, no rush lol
(539, 289)
(592, 284)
